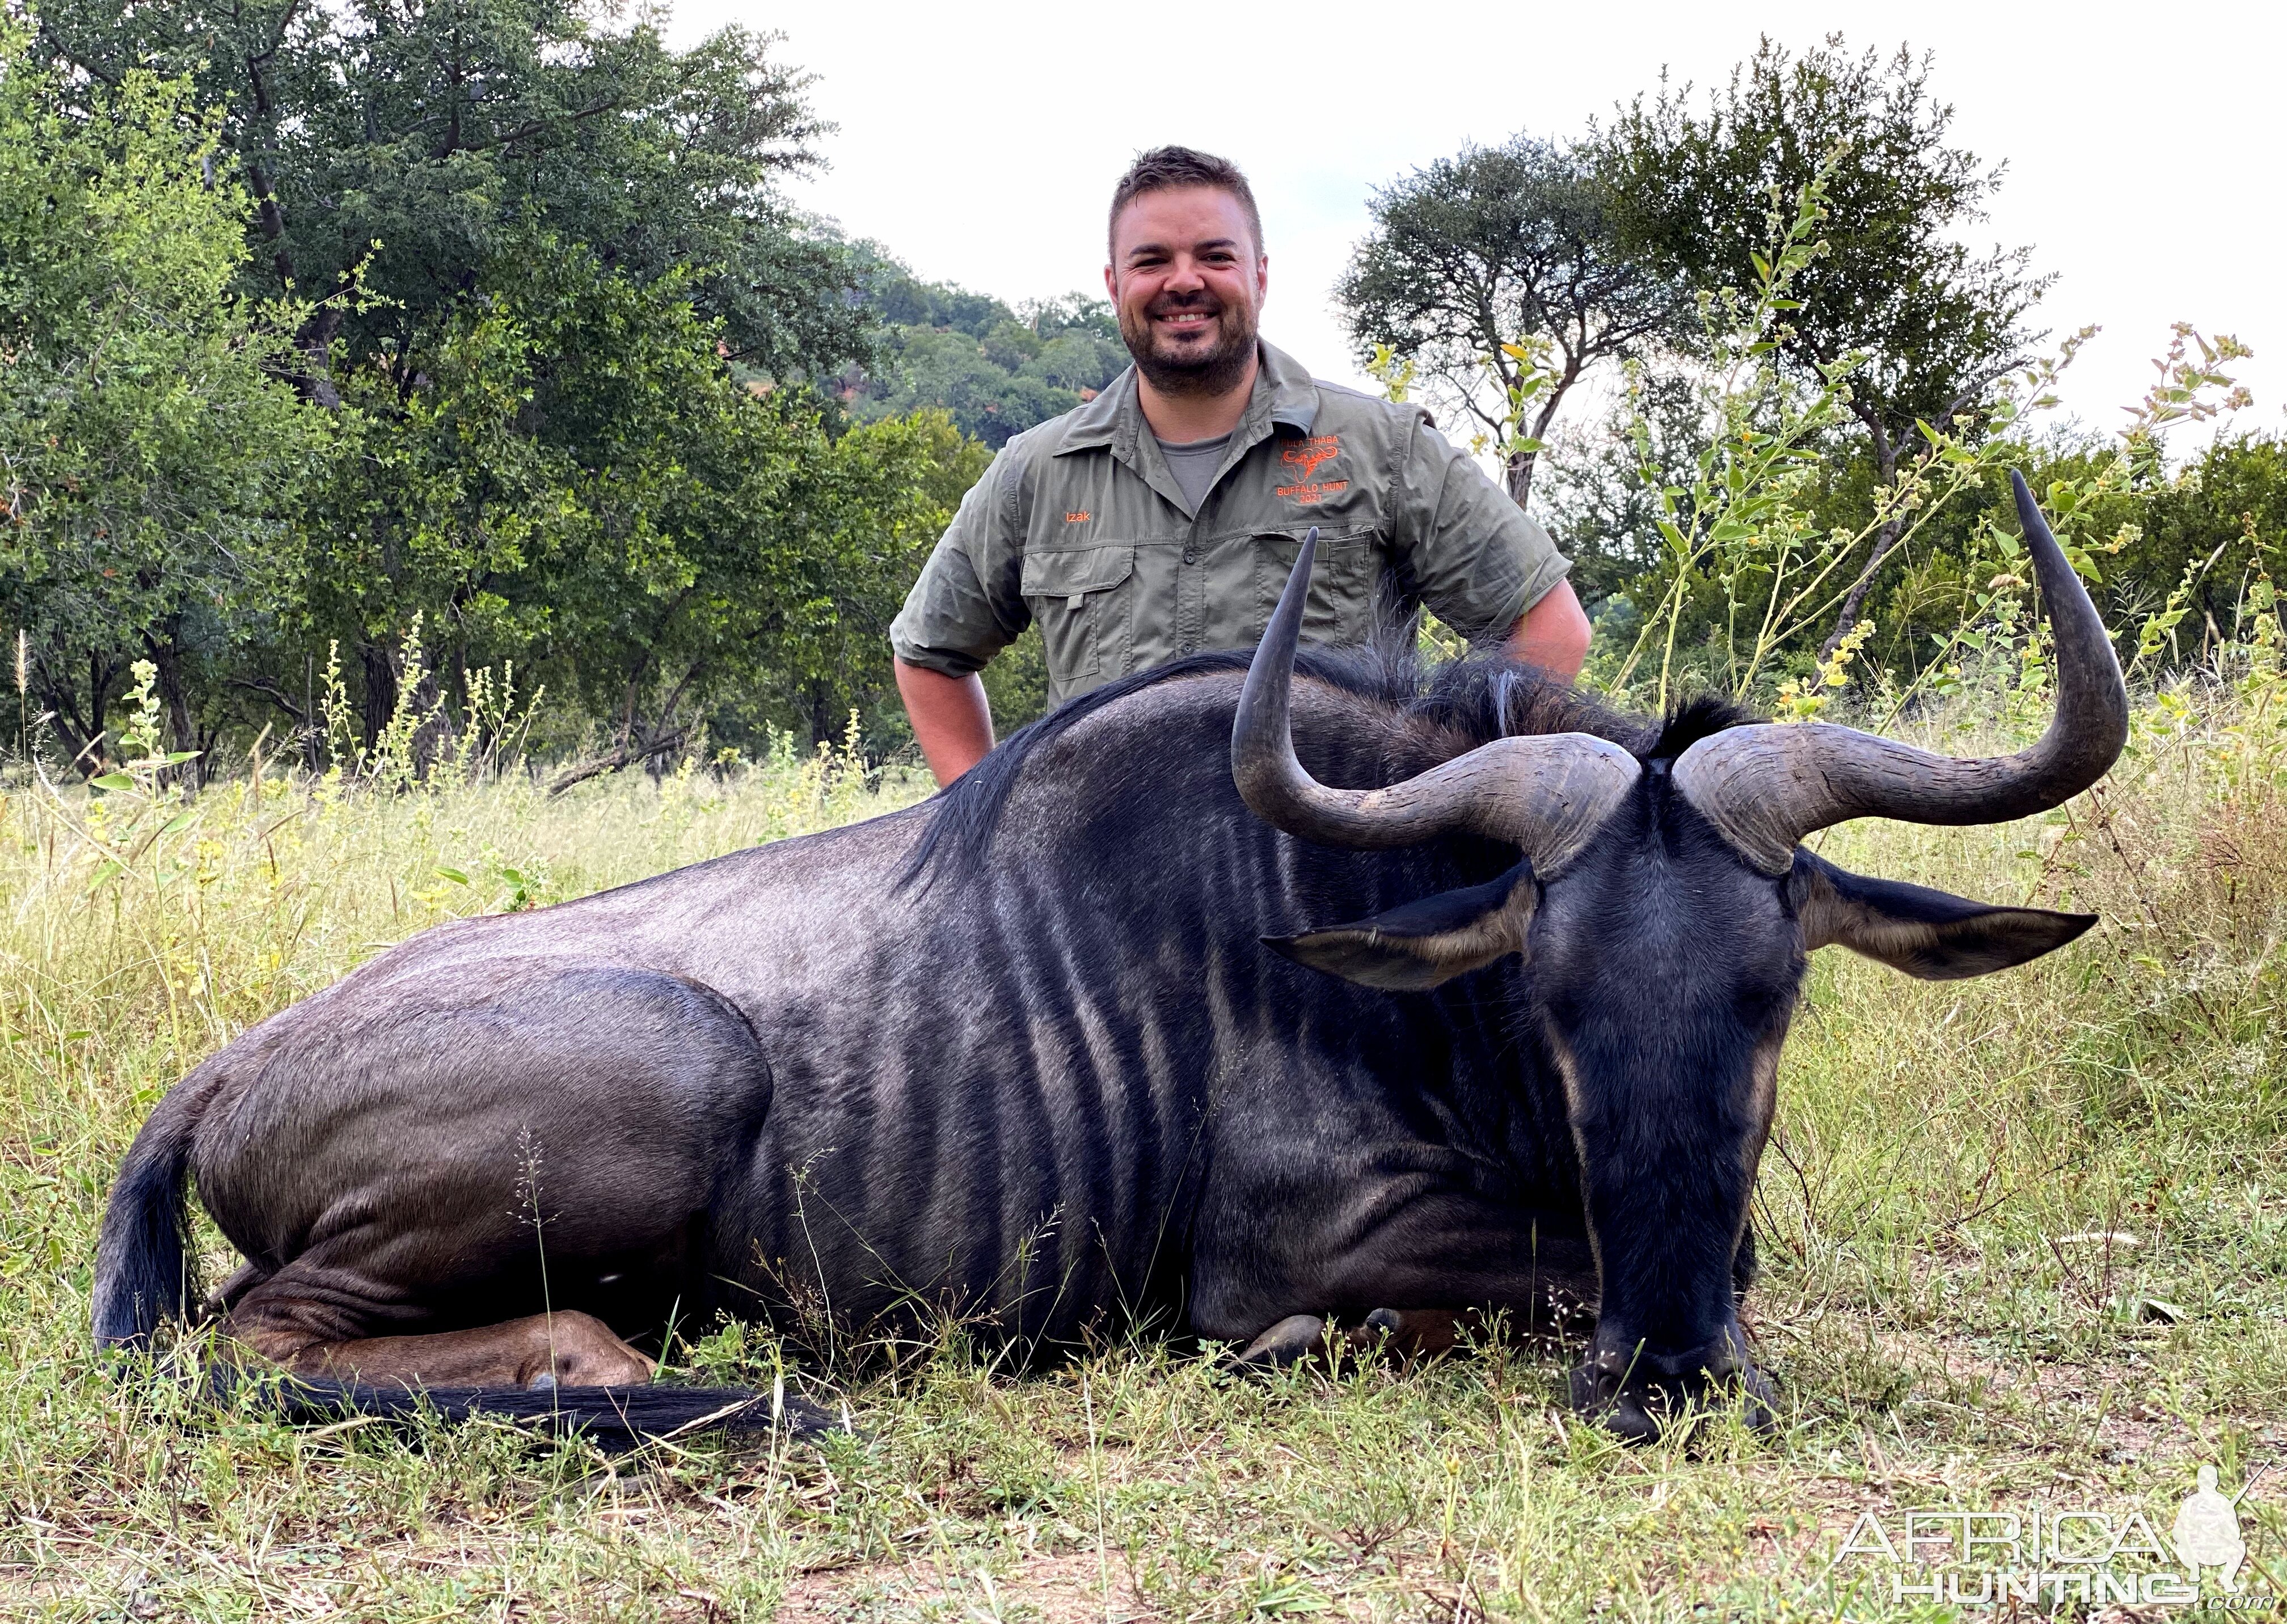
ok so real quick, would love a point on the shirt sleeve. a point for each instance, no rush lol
(965, 607)
(1475, 558)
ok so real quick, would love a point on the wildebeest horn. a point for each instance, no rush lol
(1766, 787)
(1545, 794)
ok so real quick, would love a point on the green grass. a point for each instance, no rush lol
(1947, 1322)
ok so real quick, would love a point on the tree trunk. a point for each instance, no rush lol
(1886, 468)
(175, 700)
(379, 697)
(822, 730)
(73, 729)
(1517, 477)
(1518, 471)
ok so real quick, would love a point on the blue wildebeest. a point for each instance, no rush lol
(1077, 1040)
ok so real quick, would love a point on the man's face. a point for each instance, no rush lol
(1187, 282)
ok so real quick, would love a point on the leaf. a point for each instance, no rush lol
(113, 781)
(454, 875)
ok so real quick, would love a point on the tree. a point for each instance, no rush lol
(565, 472)
(151, 458)
(998, 371)
(1930, 325)
(1482, 265)
(398, 146)
(507, 220)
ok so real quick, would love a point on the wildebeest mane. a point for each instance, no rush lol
(1437, 710)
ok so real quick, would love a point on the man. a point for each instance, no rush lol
(1163, 517)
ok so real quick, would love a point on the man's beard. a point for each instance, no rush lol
(1211, 370)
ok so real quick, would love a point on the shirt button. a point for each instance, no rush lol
(1189, 556)
(1189, 647)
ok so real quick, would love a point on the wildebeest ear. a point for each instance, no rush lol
(1418, 945)
(1933, 934)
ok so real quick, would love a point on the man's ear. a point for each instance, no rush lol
(1411, 948)
(1928, 933)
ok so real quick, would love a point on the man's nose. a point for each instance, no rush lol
(1184, 276)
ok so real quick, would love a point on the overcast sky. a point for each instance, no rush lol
(2147, 146)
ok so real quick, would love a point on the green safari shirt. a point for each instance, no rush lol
(1078, 525)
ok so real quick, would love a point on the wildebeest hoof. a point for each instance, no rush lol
(1291, 1341)
(1640, 1407)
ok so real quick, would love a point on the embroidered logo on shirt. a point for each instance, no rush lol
(1078, 518)
(1308, 454)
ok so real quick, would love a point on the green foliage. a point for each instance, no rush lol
(531, 262)
(997, 371)
(1757, 535)
(149, 457)
(1937, 324)
(1926, 329)
(406, 147)
(1502, 274)
(1744, 555)
(565, 473)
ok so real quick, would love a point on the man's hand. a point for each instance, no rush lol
(1553, 635)
(951, 721)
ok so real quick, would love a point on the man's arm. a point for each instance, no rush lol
(1552, 634)
(1475, 558)
(963, 610)
(952, 723)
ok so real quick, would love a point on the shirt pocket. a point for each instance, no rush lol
(1339, 608)
(1080, 600)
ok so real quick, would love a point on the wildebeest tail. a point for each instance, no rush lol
(614, 1418)
(142, 1273)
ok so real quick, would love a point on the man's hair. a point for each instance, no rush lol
(1164, 169)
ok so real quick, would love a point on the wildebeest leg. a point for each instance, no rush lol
(452, 1155)
(1290, 1342)
(1414, 1331)
(1447, 1254)
(285, 1321)
(1421, 1262)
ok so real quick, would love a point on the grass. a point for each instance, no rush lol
(2025, 1239)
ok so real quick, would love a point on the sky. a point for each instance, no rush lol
(979, 143)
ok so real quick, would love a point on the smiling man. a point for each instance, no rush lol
(1162, 518)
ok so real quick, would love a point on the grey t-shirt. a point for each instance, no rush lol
(1194, 463)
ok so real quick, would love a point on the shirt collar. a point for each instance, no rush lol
(1284, 395)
